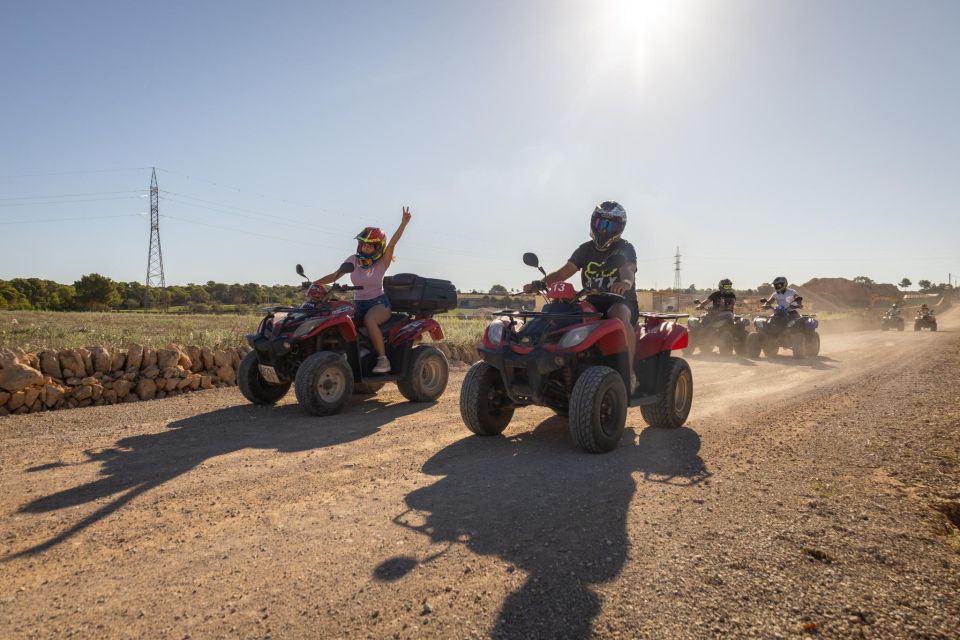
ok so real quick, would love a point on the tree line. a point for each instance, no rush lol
(95, 292)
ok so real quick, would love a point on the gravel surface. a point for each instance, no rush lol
(801, 499)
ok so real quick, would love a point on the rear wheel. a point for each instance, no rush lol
(598, 409)
(725, 345)
(813, 345)
(675, 397)
(799, 346)
(252, 385)
(324, 383)
(484, 401)
(427, 375)
(754, 344)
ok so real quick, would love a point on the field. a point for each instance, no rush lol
(39, 330)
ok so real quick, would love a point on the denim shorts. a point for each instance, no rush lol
(362, 306)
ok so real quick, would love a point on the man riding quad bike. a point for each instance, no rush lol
(892, 319)
(319, 348)
(925, 319)
(719, 326)
(578, 360)
(785, 328)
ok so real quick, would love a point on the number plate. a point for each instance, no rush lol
(269, 374)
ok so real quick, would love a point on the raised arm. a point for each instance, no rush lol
(330, 279)
(388, 252)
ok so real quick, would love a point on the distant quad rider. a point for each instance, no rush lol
(783, 296)
(722, 301)
(607, 223)
(894, 311)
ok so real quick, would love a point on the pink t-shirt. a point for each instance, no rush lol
(370, 278)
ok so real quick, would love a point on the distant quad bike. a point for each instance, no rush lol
(725, 331)
(890, 322)
(782, 331)
(925, 320)
(320, 350)
(569, 358)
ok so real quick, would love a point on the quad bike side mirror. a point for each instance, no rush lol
(347, 267)
(531, 260)
(300, 271)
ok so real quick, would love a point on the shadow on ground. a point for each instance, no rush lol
(140, 463)
(555, 512)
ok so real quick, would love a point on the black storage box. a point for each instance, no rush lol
(409, 293)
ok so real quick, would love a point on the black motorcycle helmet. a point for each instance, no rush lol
(608, 221)
(780, 283)
(726, 286)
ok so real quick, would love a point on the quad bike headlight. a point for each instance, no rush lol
(692, 322)
(574, 337)
(307, 327)
(495, 332)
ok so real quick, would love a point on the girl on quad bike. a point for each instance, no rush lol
(373, 258)
(784, 297)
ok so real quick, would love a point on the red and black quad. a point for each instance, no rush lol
(320, 350)
(569, 358)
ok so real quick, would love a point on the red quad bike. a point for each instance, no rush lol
(569, 358)
(320, 350)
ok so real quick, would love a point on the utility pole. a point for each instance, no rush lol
(676, 278)
(155, 255)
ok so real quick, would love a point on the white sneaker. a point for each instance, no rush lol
(383, 365)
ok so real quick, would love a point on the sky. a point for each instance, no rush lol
(807, 139)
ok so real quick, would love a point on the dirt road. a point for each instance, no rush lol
(801, 498)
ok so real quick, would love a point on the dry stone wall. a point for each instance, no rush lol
(49, 380)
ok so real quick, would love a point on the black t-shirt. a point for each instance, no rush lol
(722, 301)
(590, 262)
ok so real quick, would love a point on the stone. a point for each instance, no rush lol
(134, 357)
(161, 394)
(167, 358)
(196, 360)
(83, 392)
(97, 392)
(206, 382)
(117, 361)
(16, 376)
(50, 364)
(184, 383)
(221, 358)
(195, 381)
(150, 372)
(87, 359)
(235, 358)
(52, 394)
(121, 388)
(68, 373)
(31, 395)
(185, 361)
(207, 356)
(4, 397)
(72, 360)
(131, 376)
(102, 360)
(109, 396)
(149, 358)
(16, 400)
(226, 374)
(73, 382)
(89, 380)
(146, 389)
(161, 383)
(131, 398)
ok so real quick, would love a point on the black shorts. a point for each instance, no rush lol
(603, 304)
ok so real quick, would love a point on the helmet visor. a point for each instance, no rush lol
(607, 226)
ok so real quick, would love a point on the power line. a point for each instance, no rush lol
(68, 173)
(72, 195)
(56, 202)
(83, 219)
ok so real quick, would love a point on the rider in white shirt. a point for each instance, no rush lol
(783, 296)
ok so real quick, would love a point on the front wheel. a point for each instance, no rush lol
(598, 409)
(252, 385)
(324, 383)
(484, 404)
(725, 345)
(426, 378)
(675, 397)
